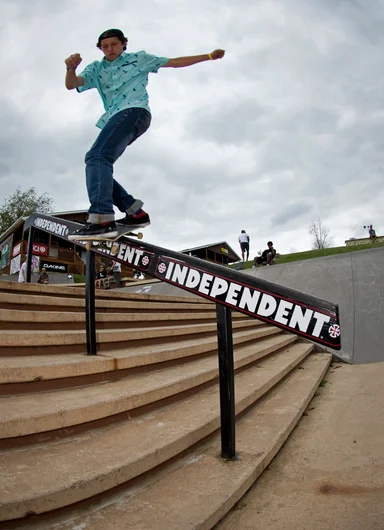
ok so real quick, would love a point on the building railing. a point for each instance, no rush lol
(364, 241)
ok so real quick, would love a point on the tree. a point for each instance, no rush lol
(320, 235)
(21, 204)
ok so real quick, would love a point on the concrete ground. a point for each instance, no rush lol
(330, 473)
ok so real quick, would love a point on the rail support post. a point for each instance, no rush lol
(226, 381)
(90, 300)
(31, 237)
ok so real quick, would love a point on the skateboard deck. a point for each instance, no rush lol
(122, 231)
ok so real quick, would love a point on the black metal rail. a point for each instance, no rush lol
(295, 312)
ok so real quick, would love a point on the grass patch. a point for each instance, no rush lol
(320, 253)
(78, 278)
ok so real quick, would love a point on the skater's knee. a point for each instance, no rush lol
(91, 156)
(94, 156)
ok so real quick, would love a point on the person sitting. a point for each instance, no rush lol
(43, 278)
(110, 276)
(102, 278)
(267, 256)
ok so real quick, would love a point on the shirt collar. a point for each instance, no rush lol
(107, 63)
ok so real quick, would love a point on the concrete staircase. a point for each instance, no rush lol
(129, 439)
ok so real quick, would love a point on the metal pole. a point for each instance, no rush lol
(31, 237)
(90, 301)
(226, 380)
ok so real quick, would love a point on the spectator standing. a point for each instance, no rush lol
(244, 244)
(372, 233)
(116, 268)
(110, 276)
(23, 272)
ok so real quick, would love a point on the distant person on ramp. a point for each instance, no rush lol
(244, 244)
(266, 257)
(121, 79)
(372, 233)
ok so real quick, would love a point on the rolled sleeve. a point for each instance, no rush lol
(89, 75)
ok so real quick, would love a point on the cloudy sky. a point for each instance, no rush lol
(286, 129)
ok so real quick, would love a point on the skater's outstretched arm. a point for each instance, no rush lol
(180, 62)
(71, 79)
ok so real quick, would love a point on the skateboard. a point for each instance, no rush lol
(110, 242)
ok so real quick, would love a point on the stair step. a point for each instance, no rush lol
(26, 369)
(23, 415)
(82, 467)
(47, 302)
(18, 318)
(28, 338)
(79, 292)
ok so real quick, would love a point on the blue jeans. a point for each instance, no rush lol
(103, 190)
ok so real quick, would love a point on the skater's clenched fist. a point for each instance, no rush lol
(217, 54)
(73, 61)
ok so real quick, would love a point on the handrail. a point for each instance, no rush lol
(78, 262)
(295, 312)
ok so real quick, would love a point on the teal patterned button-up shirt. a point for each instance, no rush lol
(122, 83)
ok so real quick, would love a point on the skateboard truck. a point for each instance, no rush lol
(104, 242)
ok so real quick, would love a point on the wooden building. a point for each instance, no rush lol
(49, 251)
(220, 253)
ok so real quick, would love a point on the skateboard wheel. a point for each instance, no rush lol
(140, 235)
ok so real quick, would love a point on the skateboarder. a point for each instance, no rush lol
(121, 79)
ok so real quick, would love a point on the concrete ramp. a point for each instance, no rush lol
(355, 281)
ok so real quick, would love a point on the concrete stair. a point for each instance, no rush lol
(130, 438)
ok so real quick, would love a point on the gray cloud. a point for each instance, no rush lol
(292, 117)
(290, 215)
(235, 122)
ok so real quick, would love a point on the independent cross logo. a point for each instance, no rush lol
(334, 331)
(162, 268)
